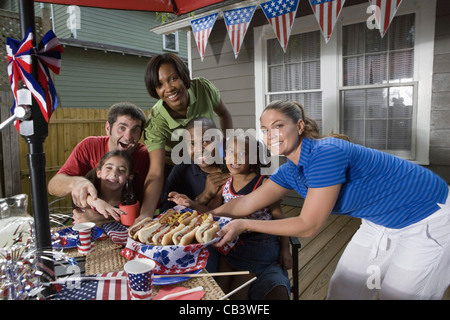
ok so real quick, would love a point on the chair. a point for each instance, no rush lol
(295, 245)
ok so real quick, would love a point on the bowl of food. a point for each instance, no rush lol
(177, 240)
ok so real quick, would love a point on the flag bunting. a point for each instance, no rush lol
(281, 16)
(201, 28)
(237, 22)
(384, 13)
(327, 13)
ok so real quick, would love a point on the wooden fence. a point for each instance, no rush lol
(67, 127)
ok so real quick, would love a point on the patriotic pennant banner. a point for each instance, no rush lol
(327, 13)
(281, 15)
(19, 56)
(202, 29)
(237, 22)
(384, 13)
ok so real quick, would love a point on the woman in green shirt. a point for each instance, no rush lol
(181, 99)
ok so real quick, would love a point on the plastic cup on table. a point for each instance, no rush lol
(132, 211)
(140, 278)
(85, 239)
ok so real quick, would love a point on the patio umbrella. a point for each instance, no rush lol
(173, 6)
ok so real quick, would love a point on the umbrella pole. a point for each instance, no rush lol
(35, 131)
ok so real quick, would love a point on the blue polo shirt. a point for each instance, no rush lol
(376, 186)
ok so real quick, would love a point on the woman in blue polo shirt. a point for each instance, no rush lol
(402, 249)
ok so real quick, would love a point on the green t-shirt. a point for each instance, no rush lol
(204, 97)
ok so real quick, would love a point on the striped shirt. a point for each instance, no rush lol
(376, 186)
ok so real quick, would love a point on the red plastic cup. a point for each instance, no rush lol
(132, 211)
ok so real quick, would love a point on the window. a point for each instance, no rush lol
(377, 100)
(376, 90)
(295, 75)
(170, 42)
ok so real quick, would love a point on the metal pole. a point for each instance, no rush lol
(35, 131)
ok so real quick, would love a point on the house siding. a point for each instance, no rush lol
(95, 79)
(128, 29)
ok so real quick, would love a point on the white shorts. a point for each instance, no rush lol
(408, 263)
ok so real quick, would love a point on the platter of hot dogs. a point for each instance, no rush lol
(177, 240)
(173, 227)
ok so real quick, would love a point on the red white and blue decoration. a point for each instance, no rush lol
(201, 28)
(237, 22)
(281, 16)
(19, 56)
(95, 290)
(384, 13)
(141, 285)
(49, 58)
(327, 13)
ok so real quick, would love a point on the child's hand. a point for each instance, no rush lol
(180, 199)
(286, 261)
(105, 209)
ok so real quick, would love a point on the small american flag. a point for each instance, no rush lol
(281, 16)
(202, 29)
(95, 289)
(384, 13)
(327, 13)
(117, 232)
(237, 22)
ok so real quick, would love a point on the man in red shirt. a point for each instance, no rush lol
(123, 130)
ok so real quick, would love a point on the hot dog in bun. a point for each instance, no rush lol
(207, 231)
(187, 234)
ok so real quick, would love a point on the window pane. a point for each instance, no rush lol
(311, 75)
(376, 69)
(354, 104)
(376, 104)
(294, 76)
(353, 39)
(276, 82)
(400, 132)
(275, 53)
(374, 41)
(401, 66)
(354, 129)
(376, 134)
(354, 71)
(311, 46)
(294, 49)
(401, 102)
(401, 32)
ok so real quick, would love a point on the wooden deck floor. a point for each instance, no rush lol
(318, 256)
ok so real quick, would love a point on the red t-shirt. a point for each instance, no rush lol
(88, 153)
